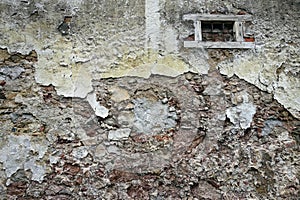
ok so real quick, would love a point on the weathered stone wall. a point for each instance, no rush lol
(116, 108)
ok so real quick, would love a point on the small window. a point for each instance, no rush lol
(220, 31)
(217, 31)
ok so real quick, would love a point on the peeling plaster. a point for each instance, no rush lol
(100, 111)
(71, 63)
(146, 64)
(261, 71)
(74, 80)
(287, 92)
(130, 39)
(242, 114)
(16, 155)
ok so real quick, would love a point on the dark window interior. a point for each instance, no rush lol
(217, 31)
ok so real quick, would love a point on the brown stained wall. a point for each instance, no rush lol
(225, 122)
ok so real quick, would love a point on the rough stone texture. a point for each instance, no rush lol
(152, 117)
(119, 134)
(11, 72)
(100, 100)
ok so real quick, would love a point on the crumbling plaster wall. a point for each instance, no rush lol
(141, 38)
(69, 101)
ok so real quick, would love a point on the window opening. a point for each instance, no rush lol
(217, 31)
(220, 31)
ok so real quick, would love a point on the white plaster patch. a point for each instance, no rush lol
(247, 68)
(287, 92)
(38, 171)
(170, 40)
(152, 63)
(197, 59)
(100, 111)
(11, 72)
(15, 155)
(152, 24)
(54, 159)
(242, 114)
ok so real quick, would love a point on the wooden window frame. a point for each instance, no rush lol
(238, 28)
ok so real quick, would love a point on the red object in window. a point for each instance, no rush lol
(249, 39)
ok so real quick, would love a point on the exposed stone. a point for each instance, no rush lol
(269, 125)
(152, 117)
(126, 118)
(100, 151)
(4, 55)
(119, 134)
(11, 72)
(118, 108)
(80, 152)
(206, 190)
(165, 100)
(213, 89)
(119, 94)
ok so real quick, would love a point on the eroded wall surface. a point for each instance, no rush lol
(100, 100)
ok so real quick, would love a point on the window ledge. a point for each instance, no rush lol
(219, 45)
(208, 17)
